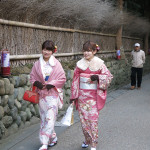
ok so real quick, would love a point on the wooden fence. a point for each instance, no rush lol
(24, 40)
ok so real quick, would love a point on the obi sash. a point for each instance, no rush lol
(84, 84)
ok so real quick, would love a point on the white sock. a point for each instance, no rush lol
(43, 147)
(92, 148)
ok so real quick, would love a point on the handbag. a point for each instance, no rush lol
(68, 117)
(31, 95)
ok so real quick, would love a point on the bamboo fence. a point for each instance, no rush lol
(24, 40)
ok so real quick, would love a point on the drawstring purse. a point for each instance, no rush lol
(31, 95)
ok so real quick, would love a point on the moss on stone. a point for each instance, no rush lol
(20, 70)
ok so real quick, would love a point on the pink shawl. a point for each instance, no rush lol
(57, 77)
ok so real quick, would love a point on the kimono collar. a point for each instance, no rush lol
(94, 65)
(51, 60)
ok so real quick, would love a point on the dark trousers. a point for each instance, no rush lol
(136, 73)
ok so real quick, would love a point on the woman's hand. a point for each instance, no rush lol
(94, 78)
(38, 85)
(49, 86)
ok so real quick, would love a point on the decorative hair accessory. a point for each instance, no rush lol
(55, 50)
(97, 47)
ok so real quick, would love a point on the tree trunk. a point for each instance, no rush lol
(146, 46)
(146, 14)
(119, 38)
(119, 32)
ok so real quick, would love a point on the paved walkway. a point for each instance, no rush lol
(124, 124)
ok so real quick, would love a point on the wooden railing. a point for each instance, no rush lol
(35, 56)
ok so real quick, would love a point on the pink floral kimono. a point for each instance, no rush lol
(90, 97)
(48, 73)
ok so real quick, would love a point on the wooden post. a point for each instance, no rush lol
(147, 15)
(119, 32)
(146, 46)
(119, 38)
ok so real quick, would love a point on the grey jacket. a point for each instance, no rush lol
(138, 58)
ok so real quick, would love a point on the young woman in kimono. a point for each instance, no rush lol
(49, 77)
(88, 91)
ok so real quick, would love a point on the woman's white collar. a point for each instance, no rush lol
(51, 60)
(94, 65)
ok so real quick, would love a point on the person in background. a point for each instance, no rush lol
(89, 90)
(138, 59)
(49, 77)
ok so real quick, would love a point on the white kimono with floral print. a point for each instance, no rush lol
(48, 73)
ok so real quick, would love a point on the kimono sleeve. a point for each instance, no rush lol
(105, 78)
(75, 84)
(33, 74)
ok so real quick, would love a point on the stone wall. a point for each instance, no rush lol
(15, 113)
(121, 70)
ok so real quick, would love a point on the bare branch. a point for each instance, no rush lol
(95, 15)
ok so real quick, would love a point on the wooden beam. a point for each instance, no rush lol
(36, 56)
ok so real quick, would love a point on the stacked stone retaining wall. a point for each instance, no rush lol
(15, 113)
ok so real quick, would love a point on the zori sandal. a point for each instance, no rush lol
(84, 145)
(53, 143)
